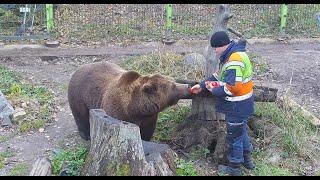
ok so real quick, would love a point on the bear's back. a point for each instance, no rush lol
(90, 81)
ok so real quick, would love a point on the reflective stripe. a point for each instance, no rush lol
(238, 78)
(226, 90)
(247, 79)
(234, 124)
(239, 98)
(234, 63)
(216, 76)
(222, 83)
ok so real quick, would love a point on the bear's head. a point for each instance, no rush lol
(151, 94)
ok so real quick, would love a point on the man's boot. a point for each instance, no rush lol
(248, 163)
(232, 169)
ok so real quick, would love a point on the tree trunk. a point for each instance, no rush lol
(41, 167)
(203, 128)
(117, 149)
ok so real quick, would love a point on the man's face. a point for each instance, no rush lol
(220, 50)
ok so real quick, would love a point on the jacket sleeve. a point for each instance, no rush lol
(213, 77)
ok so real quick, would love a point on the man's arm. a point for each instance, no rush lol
(213, 77)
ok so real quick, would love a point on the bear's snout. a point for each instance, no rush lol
(182, 91)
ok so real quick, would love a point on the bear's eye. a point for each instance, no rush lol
(149, 88)
(173, 86)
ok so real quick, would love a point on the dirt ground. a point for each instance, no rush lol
(294, 65)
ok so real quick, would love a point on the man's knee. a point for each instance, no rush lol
(234, 130)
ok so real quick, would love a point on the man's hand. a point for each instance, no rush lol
(210, 85)
(195, 89)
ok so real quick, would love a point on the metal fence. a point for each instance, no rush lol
(23, 21)
(146, 22)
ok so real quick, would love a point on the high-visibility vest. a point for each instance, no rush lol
(243, 88)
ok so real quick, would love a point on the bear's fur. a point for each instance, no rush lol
(124, 95)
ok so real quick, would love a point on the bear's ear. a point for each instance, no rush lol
(149, 88)
(129, 77)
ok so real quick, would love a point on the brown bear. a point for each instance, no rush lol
(124, 95)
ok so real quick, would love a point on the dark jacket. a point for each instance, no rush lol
(242, 108)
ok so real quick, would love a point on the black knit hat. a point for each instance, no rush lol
(219, 39)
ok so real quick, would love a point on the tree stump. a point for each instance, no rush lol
(41, 167)
(161, 157)
(205, 127)
(117, 150)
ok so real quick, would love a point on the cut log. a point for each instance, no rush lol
(117, 150)
(41, 167)
(260, 93)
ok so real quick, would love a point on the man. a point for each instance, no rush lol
(234, 88)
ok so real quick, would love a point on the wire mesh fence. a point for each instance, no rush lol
(146, 22)
(18, 21)
(263, 20)
(106, 22)
(302, 20)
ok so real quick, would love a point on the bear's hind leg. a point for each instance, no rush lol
(84, 132)
(82, 121)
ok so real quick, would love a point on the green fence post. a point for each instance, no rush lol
(49, 14)
(283, 17)
(169, 17)
(169, 23)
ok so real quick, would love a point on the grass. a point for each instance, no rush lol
(199, 153)
(18, 170)
(293, 141)
(169, 64)
(168, 120)
(172, 65)
(296, 128)
(263, 169)
(185, 168)
(40, 99)
(260, 66)
(7, 137)
(71, 159)
(4, 155)
(302, 20)
(181, 30)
